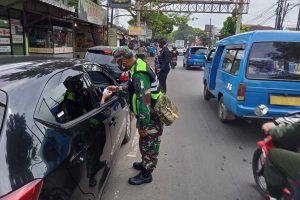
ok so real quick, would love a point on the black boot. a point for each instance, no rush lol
(141, 178)
(138, 166)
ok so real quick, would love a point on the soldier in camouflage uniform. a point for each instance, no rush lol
(143, 89)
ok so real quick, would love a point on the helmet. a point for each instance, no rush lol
(162, 42)
(73, 83)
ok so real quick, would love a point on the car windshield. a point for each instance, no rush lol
(199, 51)
(99, 57)
(274, 60)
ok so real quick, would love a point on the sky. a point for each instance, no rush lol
(260, 12)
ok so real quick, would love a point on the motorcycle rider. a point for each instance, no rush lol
(283, 162)
(175, 53)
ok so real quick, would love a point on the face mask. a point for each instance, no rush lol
(122, 67)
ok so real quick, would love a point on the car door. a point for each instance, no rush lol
(228, 74)
(208, 62)
(118, 105)
(85, 124)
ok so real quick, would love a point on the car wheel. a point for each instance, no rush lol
(207, 94)
(128, 128)
(222, 110)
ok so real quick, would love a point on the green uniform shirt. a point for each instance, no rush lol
(142, 86)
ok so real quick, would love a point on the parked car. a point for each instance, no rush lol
(103, 56)
(254, 68)
(57, 141)
(195, 57)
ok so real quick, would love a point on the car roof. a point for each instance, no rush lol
(16, 70)
(261, 36)
(101, 48)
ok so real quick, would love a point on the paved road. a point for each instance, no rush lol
(200, 159)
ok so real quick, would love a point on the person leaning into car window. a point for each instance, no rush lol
(143, 91)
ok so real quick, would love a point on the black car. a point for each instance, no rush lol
(103, 56)
(57, 142)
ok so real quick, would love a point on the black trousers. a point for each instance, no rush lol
(163, 80)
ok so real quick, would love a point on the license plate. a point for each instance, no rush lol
(285, 101)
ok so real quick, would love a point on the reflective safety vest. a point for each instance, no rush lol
(142, 67)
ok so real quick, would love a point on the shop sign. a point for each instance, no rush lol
(4, 41)
(5, 49)
(16, 30)
(149, 34)
(4, 32)
(63, 50)
(15, 22)
(135, 30)
(91, 12)
(41, 50)
(4, 23)
(120, 3)
(17, 39)
(59, 4)
(112, 37)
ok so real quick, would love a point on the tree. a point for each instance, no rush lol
(229, 26)
(161, 24)
(189, 33)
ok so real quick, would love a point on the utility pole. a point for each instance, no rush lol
(210, 34)
(281, 12)
(239, 17)
(112, 17)
(298, 23)
(138, 17)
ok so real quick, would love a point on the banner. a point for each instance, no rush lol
(91, 12)
(4, 40)
(135, 30)
(4, 23)
(120, 3)
(112, 37)
(5, 49)
(4, 32)
(17, 39)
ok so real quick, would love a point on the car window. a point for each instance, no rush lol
(67, 96)
(211, 55)
(2, 107)
(237, 62)
(232, 60)
(275, 61)
(99, 57)
(199, 50)
(228, 60)
(100, 80)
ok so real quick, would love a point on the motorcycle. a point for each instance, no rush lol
(173, 62)
(291, 192)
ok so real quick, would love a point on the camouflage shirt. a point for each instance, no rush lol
(142, 85)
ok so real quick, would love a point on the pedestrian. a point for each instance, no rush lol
(143, 92)
(163, 64)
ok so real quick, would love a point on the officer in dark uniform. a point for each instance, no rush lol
(163, 64)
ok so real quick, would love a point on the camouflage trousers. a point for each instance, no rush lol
(149, 148)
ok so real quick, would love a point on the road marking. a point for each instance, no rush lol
(134, 146)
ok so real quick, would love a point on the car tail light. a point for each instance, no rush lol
(241, 92)
(124, 76)
(30, 191)
(107, 52)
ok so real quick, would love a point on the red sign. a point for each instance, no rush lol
(4, 32)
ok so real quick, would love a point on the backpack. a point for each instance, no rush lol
(166, 110)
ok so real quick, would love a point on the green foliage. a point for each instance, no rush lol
(73, 3)
(229, 26)
(162, 25)
(189, 33)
